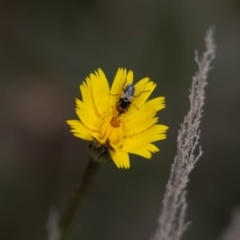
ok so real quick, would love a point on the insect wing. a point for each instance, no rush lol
(129, 91)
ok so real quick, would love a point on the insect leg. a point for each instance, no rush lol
(141, 93)
(136, 106)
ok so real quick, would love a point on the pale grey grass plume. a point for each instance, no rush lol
(52, 225)
(232, 232)
(171, 221)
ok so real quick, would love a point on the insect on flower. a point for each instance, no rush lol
(126, 99)
(113, 138)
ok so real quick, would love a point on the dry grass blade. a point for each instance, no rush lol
(172, 218)
(52, 225)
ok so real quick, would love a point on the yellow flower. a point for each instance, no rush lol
(120, 132)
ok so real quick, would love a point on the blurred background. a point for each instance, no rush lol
(47, 48)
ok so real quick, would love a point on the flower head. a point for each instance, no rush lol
(120, 119)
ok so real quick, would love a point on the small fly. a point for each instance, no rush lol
(126, 99)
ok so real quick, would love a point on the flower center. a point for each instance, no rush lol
(115, 122)
(111, 130)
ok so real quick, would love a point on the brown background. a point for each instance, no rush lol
(48, 48)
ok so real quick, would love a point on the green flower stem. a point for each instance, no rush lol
(67, 219)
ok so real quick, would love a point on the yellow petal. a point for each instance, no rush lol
(143, 118)
(141, 148)
(100, 91)
(104, 93)
(129, 79)
(87, 96)
(148, 109)
(79, 130)
(143, 89)
(120, 158)
(155, 133)
(141, 84)
(156, 103)
(141, 122)
(119, 82)
(86, 115)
